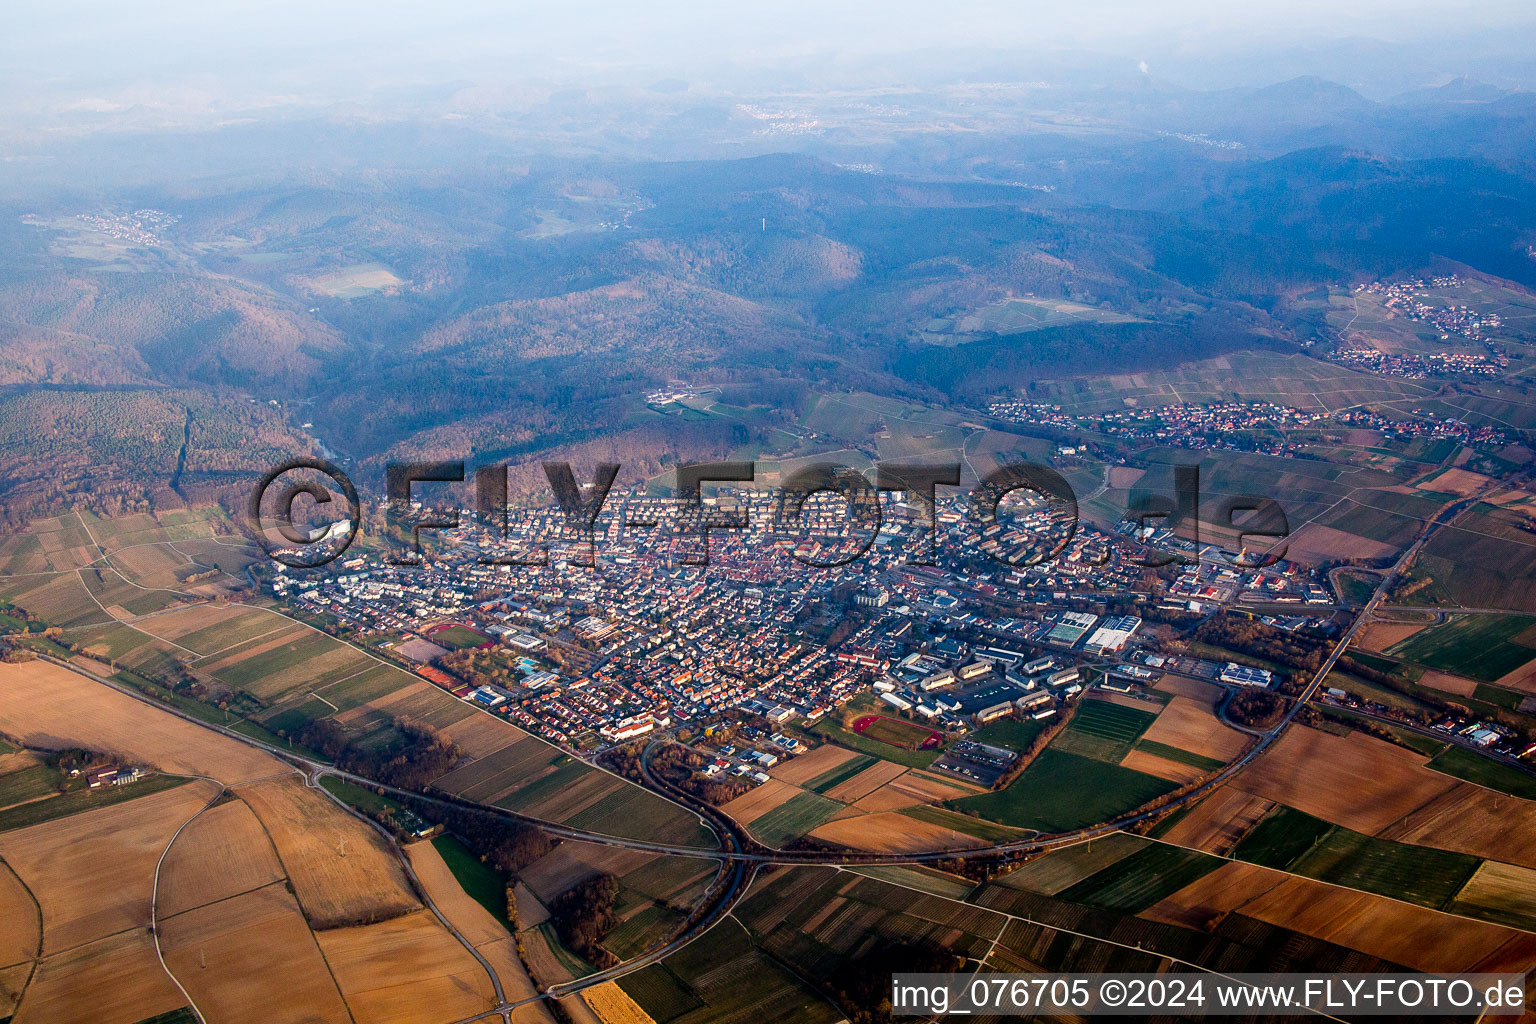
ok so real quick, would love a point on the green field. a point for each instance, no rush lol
(632, 812)
(483, 884)
(1509, 700)
(1064, 868)
(793, 818)
(728, 980)
(1292, 841)
(897, 733)
(1103, 731)
(660, 993)
(457, 638)
(1463, 764)
(1416, 874)
(82, 800)
(238, 628)
(675, 880)
(1283, 835)
(1481, 647)
(1180, 755)
(1061, 791)
(29, 784)
(1015, 734)
(365, 800)
(567, 771)
(915, 876)
(1143, 878)
(642, 930)
(842, 773)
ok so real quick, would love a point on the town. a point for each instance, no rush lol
(593, 658)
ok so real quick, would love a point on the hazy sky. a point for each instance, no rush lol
(110, 38)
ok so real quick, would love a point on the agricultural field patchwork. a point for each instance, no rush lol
(1484, 647)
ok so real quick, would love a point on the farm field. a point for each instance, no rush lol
(39, 700)
(1103, 730)
(1501, 893)
(855, 788)
(1180, 770)
(1464, 764)
(1177, 754)
(1060, 791)
(1397, 932)
(1213, 895)
(1483, 647)
(1474, 820)
(755, 803)
(341, 871)
(1372, 783)
(68, 987)
(895, 832)
(929, 880)
(355, 281)
(451, 875)
(405, 969)
(517, 774)
(1189, 725)
(91, 872)
(1306, 846)
(22, 939)
(990, 831)
(79, 801)
(223, 853)
(258, 952)
(793, 818)
(836, 776)
(1064, 868)
(817, 762)
(1138, 881)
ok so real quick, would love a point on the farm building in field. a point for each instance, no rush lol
(1246, 675)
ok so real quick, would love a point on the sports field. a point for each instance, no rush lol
(457, 637)
(897, 733)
